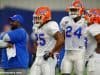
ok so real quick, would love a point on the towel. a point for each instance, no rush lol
(11, 52)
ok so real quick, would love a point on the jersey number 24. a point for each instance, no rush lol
(77, 32)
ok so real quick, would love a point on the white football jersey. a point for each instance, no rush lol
(45, 37)
(74, 33)
(90, 32)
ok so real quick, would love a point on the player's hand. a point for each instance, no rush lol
(97, 50)
(47, 55)
(51, 54)
(10, 45)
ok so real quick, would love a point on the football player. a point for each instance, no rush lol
(93, 46)
(73, 27)
(48, 39)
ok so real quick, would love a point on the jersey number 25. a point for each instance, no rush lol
(40, 39)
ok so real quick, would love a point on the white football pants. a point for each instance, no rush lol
(94, 65)
(43, 67)
(73, 57)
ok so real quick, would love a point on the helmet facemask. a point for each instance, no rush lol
(37, 20)
(73, 12)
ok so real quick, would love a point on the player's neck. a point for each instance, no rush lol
(13, 28)
(44, 23)
(77, 19)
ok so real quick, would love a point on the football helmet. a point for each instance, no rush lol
(41, 15)
(76, 9)
(93, 16)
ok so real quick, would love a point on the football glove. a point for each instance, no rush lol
(47, 55)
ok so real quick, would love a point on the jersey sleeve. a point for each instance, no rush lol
(63, 23)
(6, 37)
(94, 30)
(52, 28)
(33, 36)
(3, 44)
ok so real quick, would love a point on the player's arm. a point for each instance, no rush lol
(97, 37)
(58, 36)
(4, 43)
(33, 37)
(35, 46)
(64, 21)
(95, 31)
(63, 33)
(59, 42)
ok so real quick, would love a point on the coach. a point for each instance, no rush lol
(15, 57)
